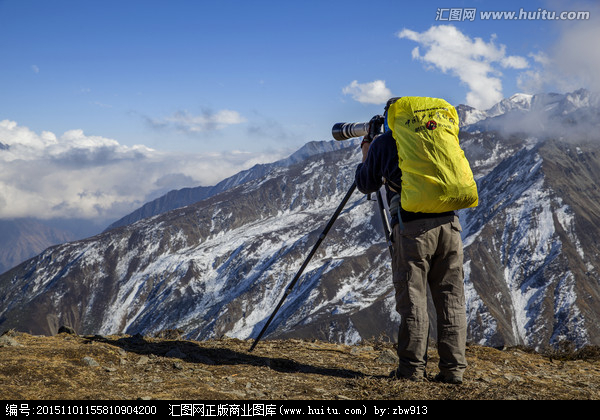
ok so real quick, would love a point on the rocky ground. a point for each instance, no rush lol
(73, 367)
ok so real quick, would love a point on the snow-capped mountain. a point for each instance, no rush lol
(220, 266)
(517, 102)
(531, 258)
(545, 114)
(216, 267)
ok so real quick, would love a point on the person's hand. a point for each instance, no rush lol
(374, 127)
(374, 130)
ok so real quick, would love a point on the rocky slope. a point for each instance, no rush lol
(72, 367)
(532, 240)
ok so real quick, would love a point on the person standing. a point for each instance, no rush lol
(427, 251)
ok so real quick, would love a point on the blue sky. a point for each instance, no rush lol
(239, 82)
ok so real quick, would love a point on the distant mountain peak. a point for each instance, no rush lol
(518, 101)
(541, 115)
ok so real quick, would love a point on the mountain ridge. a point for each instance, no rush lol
(218, 267)
(182, 197)
(471, 119)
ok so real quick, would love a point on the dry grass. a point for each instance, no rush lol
(72, 367)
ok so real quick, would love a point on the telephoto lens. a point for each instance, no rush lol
(345, 131)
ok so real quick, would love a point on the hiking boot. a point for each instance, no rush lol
(454, 380)
(415, 377)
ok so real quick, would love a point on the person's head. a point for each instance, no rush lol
(387, 106)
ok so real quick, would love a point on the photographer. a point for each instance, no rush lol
(427, 250)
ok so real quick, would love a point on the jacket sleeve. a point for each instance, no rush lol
(368, 175)
(381, 162)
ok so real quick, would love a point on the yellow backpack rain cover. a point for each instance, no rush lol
(436, 176)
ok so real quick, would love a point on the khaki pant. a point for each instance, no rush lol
(429, 252)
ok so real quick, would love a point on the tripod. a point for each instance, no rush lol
(316, 246)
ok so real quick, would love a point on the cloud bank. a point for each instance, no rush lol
(80, 176)
(475, 62)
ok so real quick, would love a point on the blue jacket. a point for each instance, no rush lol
(382, 162)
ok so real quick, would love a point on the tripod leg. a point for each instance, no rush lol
(306, 261)
(386, 223)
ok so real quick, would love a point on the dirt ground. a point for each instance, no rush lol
(72, 367)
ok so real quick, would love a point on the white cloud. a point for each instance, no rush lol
(475, 62)
(80, 176)
(371, 93)
(576, 57)
(206, 121)
(570, 63)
